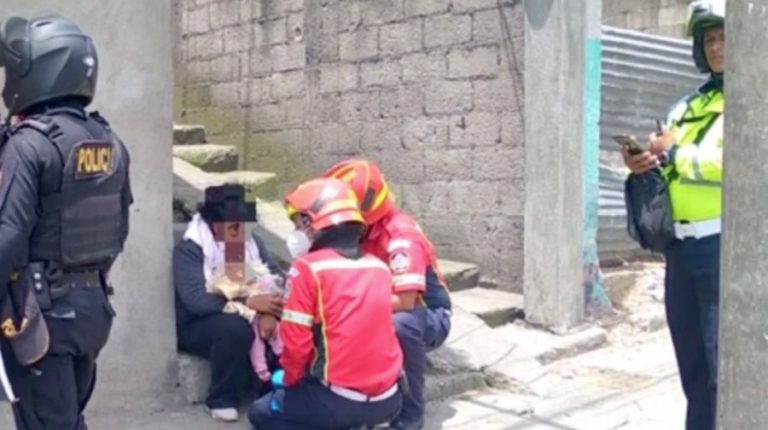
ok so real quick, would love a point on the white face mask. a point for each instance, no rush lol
(298, 243)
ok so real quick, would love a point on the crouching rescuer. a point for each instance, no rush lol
(420, 297)
(341, 360)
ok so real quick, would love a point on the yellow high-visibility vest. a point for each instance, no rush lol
(695, 173)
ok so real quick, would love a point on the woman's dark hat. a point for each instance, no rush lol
(226, 203)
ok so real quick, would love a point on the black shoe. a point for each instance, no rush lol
(400, 424)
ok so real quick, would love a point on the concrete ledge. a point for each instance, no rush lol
(471, 346)
(194, 378)
(495, 307)
(190, 182)
(454, 368)
(438, 387)
(545, 347)
(573, 344)
(6, 416)
(195, 375)
(274, 226)
(189, 135)
(209, 158)
(460, 276)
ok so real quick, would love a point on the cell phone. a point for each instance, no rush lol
(630, 142)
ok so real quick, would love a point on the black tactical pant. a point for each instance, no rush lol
(54, 392)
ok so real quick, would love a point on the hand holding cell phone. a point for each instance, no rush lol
(629, 143)
(660, 140)
(637, 158)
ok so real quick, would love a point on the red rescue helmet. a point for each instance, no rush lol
(368, 183)
(327, 202)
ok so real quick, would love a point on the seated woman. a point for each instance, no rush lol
(208, 323)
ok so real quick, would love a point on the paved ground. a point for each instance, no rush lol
(620, 387)
(631, 386)
(628, 383)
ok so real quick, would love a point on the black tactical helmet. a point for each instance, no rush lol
(46, 58)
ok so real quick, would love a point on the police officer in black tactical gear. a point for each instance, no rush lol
(64, 201)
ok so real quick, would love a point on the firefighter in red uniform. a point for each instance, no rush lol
(341, 359)
(420, 296)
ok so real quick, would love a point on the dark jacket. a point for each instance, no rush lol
(31, 167)
(192, 299)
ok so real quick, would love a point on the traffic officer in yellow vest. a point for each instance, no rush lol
(690, 151)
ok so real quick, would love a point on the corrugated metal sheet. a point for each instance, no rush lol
(643, 75)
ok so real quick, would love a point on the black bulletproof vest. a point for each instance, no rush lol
(87, 210)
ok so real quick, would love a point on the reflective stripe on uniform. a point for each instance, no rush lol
(408, 279)
(701, 183)
(299, 318)
(398, 243)
(366, 263)
(696, 168)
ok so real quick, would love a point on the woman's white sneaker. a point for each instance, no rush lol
(225, 414)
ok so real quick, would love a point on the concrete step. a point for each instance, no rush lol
(195, 375)
(454, 368)
(210, 158)
(440, 387)
(495, 307)
(190, 182)
(274, 227)
(472, 346)
(460, 276)
(543, 347)
(189, 134)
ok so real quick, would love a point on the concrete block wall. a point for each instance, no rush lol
(662, 17)
(431, 88)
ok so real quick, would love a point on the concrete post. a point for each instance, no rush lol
(554, 134)
(744, 273)
(597, 301)
(133, 38)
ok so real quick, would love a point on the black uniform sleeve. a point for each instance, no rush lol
(267, 258)
(19, 173)
(189, 280)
